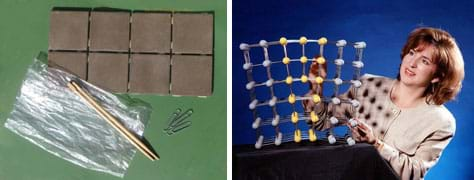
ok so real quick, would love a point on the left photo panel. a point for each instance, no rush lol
(122, 90)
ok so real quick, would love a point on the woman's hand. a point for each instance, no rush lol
(363, 133)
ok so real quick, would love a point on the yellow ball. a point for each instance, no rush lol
(283, 41)
(312, 135)
(314, 117)
(297, 136)
(286, 60)
(319, 80)
(294, 117)
(289, 80)
(303, 40)
(303, 59)
(321, 60)
(292, 98)
(316, 98)
(304, 78)
(322, 41)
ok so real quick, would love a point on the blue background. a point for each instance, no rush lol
(384, 26)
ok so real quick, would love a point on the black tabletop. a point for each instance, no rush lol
(307, 161)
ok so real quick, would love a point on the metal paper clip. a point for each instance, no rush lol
(172, 117)
(177, 121)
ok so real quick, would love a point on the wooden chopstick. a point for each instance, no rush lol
(112, 121)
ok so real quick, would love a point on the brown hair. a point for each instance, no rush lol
(447, 56)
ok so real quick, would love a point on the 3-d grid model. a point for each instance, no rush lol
(312, 118)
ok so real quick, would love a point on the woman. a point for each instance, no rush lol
(405, 118)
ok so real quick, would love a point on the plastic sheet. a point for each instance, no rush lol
(51, 116)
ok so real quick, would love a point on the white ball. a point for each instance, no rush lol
(336, 100)
(339, 62)
(247, 66)
(259, 142)
(360, 45)
(353, 122)
(357, 64)
(341, 43)
(278, 139)
(333, 120)
(263, 43)
(269, 82)
(338, 81)
(266, 63)
(253, 104)
(355, 103)
(350, 141)
(331, 139)
(244, 47)
(356, 83)
(276, 120)
(256, 123)
(250, 85)
(272, 101)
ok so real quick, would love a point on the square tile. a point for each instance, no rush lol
(193, 33)
(109, 71)
(151, 32)
(68, 30)
(191, 75)
(109, 31)
(150, 73)
(74, 62)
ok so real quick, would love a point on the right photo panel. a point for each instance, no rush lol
(352, 90)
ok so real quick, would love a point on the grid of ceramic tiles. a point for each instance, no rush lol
(135, 51)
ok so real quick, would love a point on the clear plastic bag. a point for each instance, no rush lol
(53, 117)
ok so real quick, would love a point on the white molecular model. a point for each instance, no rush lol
(298, 135)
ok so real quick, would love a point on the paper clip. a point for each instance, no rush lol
(177, 121)
(172, 117)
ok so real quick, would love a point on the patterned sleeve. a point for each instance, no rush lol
(325, 110)
(342, 112)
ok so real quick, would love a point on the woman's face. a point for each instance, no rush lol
(418, 67)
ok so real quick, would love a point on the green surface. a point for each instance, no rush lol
(198, 152)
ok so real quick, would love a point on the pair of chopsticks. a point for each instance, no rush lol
(74, 86)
